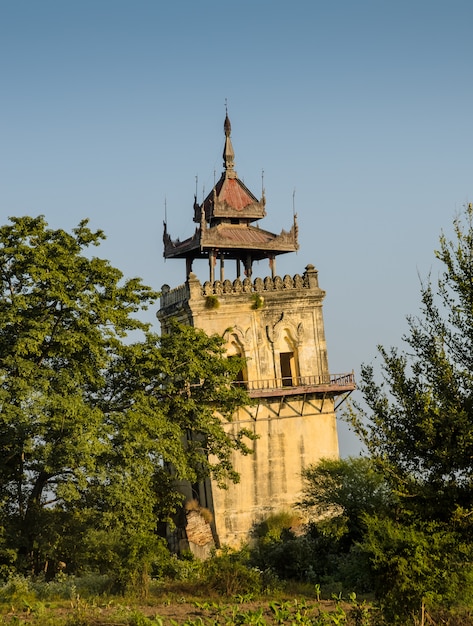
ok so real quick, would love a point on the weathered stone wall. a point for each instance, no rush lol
(260, 320)
(292, 435)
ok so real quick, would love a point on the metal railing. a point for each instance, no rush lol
(336, 383)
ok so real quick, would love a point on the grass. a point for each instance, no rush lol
(27, 602)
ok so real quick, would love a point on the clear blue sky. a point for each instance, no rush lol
(364, 108)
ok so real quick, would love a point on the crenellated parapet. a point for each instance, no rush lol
(308, 280)
(258, 285)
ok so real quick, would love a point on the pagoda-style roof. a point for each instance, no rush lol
(233, 240)
(226, 218)
(231, 199)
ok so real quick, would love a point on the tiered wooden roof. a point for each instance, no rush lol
(225, 223)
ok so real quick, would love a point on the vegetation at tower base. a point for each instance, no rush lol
(418, 429)
(88, 421)
(338, 494)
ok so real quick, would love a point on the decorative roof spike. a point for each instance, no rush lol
(228, 154)
(227, 127)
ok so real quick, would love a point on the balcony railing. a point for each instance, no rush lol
(334, 384)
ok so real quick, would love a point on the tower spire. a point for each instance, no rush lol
(228, 153)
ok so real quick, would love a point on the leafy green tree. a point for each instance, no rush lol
(337, 497)
(418, 429)
(165, 403)
(419, 423)
(185, 377)
(61, 314)
(340, 492)
(88, 421)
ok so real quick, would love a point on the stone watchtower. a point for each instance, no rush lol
(276, 323)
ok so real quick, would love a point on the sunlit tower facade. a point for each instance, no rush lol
(276, 324)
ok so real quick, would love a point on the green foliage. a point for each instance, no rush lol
(230, 574)
(336, 496)
(212, 302)
(183, 567)
(277, 551)
(320, 552)
(273, 526)
(17, 589)
(89, 421)
(418, 429)
(62, 314)
(419, 422)
(258, 301)
(337, 493)
(245, 609)
(418, 564)
(289, 557)
(196, 395)
(126, 557)
(138, 619)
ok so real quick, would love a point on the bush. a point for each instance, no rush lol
(126, 558)
(415, 565)
(290, 557)
(212, 302)
(275, 525)
(320, 555)
(184, 568)
(16, 588)
(229, 574)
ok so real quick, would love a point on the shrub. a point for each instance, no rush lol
(257, 301)
(212, 302)
(229, 574)
(184, 568)
(274, 525)
(16, 588)
(415, 565)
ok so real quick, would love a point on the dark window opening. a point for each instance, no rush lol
(286, 360)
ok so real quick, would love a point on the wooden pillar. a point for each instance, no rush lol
(248, 266)
(222, 267)
(212, 260)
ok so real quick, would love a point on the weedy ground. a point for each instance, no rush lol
(23, 603)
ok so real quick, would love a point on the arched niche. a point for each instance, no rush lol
(286, 337)
(235, 347)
